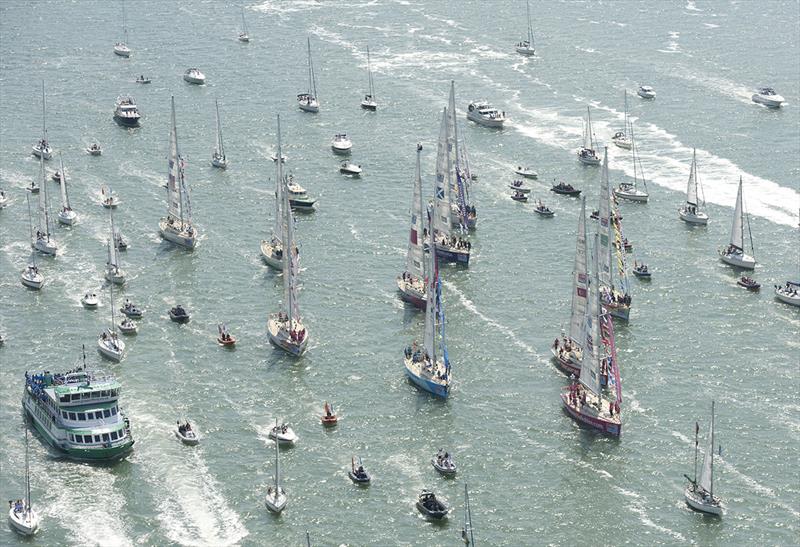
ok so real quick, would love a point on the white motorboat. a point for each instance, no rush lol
(108, 198)
(341, 144)
(734, 253)
(789, 293)
(283, 434)
(194, 76)
(126, 113)
(691, 212)
(519, 186)
(42, 148)
(32, 277)
(588, 154)
(186, 433)
(218, 158)
(348, 168)
(94, 149)
(620, 138)
(444, 464)
(142, 80)
(768, 97)
(527, 47)
(128, 327)
(129, 309)
(646, 92)
(276, 496)
(90, 300)
(699, 495)
(66, 215)
(526, 172)
(308, 101)
(21, 515)
(244, 36)
(369, 103)
(482, 113)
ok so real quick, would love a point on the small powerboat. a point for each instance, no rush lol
(565, 189)
(526, 172)
(646, 92)
(94, 149)
(57, 177)
(225, 338)
(90, 300)
(32, 278)
(768, 97)
(142, 80)
(347, 168)
(329, 416)
(748, 283)
(186, 433)
(120, 241)
(543, 209)
(194, 76)
(108, 198)
(283, 434)
(178, 314)
(430, 506)
(341, 144)
(519, 196)
(298, 197)
(519, 186)
(443, 463)
(127, 326)
(641, 271)
(357, 472)
(129, 309)
(33, 188)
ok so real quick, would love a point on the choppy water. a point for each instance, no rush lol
(534, 477)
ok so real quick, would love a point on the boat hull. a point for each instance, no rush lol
(194, 80)
(486, 122)
(269, 257)
(122, 51)
(68, 218)
(126, 121)
(46, 247)
(787, 298)
(632, 195)
(117, 278)
(411, 295)
(276, 503)
(573, 192)
(567, 366)
(34, 284)
(588, 160)
(453, 255)
(179, 237)
(312, 107)
(369, 105)
(426, 384)
(26, 524)
(110, 353)
(622, 143)
(699, 218)
(220, 163)
(620, 312)
(612, 428)
(744, 261)
(766, 101)
(280, 338)
(696, 502)
(527, 51)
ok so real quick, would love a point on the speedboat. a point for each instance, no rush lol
(748, 283)
(298, 198)
(94, 149)
(129, 309)
(768, 97)
(543, 209)
(347, 168)
(622, 140)
(646, 92)
(519, 196)
(142, 80)
(109, 199)
(42, 150)
(225, 338)
(641, 271)
(588, 156)
(789, 293)
(22, 518)
(629, 191)
(125, 111)
(194, 76)
(110, 346)
(329, 416)
(127, 326)
(430, 506)
(56, 177)
(481, 112)
(519, 186)
(526, 172)
(565, 189)
(444, 464)
(32, 278)
(357, 472)
(186, 433)
(178, 314)
(341, 144)
(283, 434)
(90, 300)
(122, 49)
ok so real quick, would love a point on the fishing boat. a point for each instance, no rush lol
(431, 506)
(272, 249)
(699, 495)
(641, 271)
(177, 226)
(748, 283)
(78, 413)
(357, 472)
(90, 300)
(108, 198)
(691, 211)
(283, 434)
(483, 113)
(734, 253)
(178, 314)
(635, 190)
(543, 210)
(218, 158)
(21, 515)
(443, 462)
(126, 113)
(527, 47)
(114, 273)
(341, 144)
(276, 496)
(298, 196)
(768, 97)
(128, 327)
(428, 367)
(186, 433)
(285, 328)
(588, 154)
(308, 102)
(519, 186)
(224, 336)
(519, 196)
(94, 149)
(142, 80)
(129, 309)
(109, 343)
(244, 36)
(42, 148)
(369, 103)
(646, 92)
(463, 214)
(526, 172)
(411, 283)
(66, 215)
(31, 276)
(620, 138)
(194, 76)
(568, 349)
(789, 293)
(43, 240)
(348, 168)
(565, 189)
(121, 48)
(467, 534)
(329, 416)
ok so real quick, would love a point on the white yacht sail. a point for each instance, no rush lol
(121, 48)
(592, 347)
(415, 262)
(604, 227)
(737, 229)
(636, 190)
(219, 159)
(580, 283)
(272, 249)
(706, 480)
(442, 203)
(692, 211)
(735, 254)
(461, 180)
(429, 342)
(691, 187)
(177, 226)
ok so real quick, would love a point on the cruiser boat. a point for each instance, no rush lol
(21, 516)
(126, 112)
(90, 300)
(94, 149)
(308, 101)
(519, 197)
(565, 189)
(194, 76)
(734, 254)
(78, 413)
(691, 211)
(699, 495)
(482, 113)
(348, 168)
(369, 103)
(298, 197)
(543, 210)
(32, 278)
(276, 496)
(527, 47)
(526, 172)
(443, 462)
(646, 92)
(357, 472)
(283, 434)
(127, 326)
(789, 293)
(430, 506)
(519, 186)
(186, 433)
(341, 144)
(768, 97)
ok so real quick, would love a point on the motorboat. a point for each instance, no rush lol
(543, 210)
(178, 314)
(298, 197)
(283, 434)
(526, 172)
(126, 113)
(748, 283)
(224, 337)
(789, 293)
(768, 97)
(641, 271)
(129, 309)
(341, 144)
(110, 346)
(194, 76)
(329, 416)
(32, 277)
(127, 327)
(56, 177)
(33, 188)
(348, 168)
(142, 80)
(90, 300)
(108, 198)
(519, 196)
(94, 149)
(186, 433)
(646, 92)
(519, 186)
(631, 192)
(565, 189)
(430, 506)
(444, 464)
(482, 113)
(357, 473)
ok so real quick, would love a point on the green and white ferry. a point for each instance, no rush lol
(78, 413)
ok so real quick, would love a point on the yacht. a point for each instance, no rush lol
(90, 300)
(646, 92)
(94, 149)
(481, 112)
(768, 97)
(194, 76)
(341, 144)
(125, 111)
(32, 278)
(298, 197)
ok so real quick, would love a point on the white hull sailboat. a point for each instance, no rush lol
(218, 158)
(21, 515)
(411, 283)
(66, 215)
(177, 226)
(308, 101)
(244, 35)
(735, 254)
(527, 47)
(121, 48)
(369, 103)
(699, 495)
(114, 273)
(691, 211)
(588, 155)
(636, 190)
(43, 240)
(42, 148)
(272, 249)
(621, 138)
(109, 343)
(276, 496)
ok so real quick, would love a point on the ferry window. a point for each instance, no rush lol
(75, 396)
(85, 395)
(95, 394)
(107, 413)
(71, 437)
(97, 438)
(87, 438)
(64, 414)
(106, 437)
(114, 411)
(104, 393)
(72, 416)
(113, 435)
(64, 398)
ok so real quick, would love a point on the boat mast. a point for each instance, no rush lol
(625, 129)
(580, 282)
(415, 260)
(469, 539)
(244, 24)
(369, 72)
(749, 231)
(27, 476)
(589, 131)
(696, 443)
(277, 465)
(220, 148)
(64, 196)
(312, 81)
(530, 28)
(30, 218)
(711, 448)
(44, 204)
(430, 310)
(124, 26)
(44, 118)
(113, 324)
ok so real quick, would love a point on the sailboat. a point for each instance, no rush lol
(428, 367)
(587, 155)
(584, 400)
(699, 495)
(44, 241)
(244, 36)
(568, 350)
(369, 99)
(467, 530)
(615, 298)
(448, 247)
(272, 249)
(42, 148)
(66, 215)
(308, 101)
(411, 283)
(21, 515)
(114, 273)
(109, 343)
(464, 214)
(527, 47)
(620, 138)
(691, 211)
(276, 496)
(633, 191)
(177, 226)
(218, 158)
(734, 254)
(285, 328)
(121, 48)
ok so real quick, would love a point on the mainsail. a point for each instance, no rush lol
(691, 188)
(290, 256)
(175, 185)
(592, 349)
(442, 210)
(737, 230)
(604, 230)
(580, 282)
(220, 147)
(415, 264)
(706, 472)
(432, 283)
(461, 176)
(64, 197)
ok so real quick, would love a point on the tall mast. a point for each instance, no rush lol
(277, 465)
(113, 324)
(312, 81)
(64, 196)
(45, 204)
(369, 72)
(27, 476)
(696, 443)
(220, 148)
(30, 217)
(625, 129)
(44, 117)
(432, 282)
(530, 28)
(712, 449)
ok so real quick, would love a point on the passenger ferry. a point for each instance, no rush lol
(78, 413)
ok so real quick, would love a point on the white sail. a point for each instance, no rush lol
(415, 261)
(737, 230)
(442, 210)
(244, 24)
(580, 283)
(291, 266)
(312, 78)
(64, 195)
(174, 201)
(638, 171)
(431, 308)
(530, 27)
(220, 147)
(588, 132)
(460, 180)
(691, 187)
(592, 347)
(604, 226)
(706, 480)
(369, 72)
